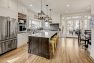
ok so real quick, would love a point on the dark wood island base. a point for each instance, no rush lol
(41, 45)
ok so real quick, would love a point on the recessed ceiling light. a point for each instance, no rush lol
(68, 5)
(30, 5)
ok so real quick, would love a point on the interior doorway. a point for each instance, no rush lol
(72, 27)
(72, 24)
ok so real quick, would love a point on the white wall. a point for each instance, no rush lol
(92, 7)
(22, 39)
(12, 7)
(78, 14)
(56, 18)
(92, 46)
(92, 32)
(8, 8)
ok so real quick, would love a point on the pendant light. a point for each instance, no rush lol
(50, 19)
(41, 15)
(47, 17)
(8, 3)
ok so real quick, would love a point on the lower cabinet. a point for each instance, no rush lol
(8, 45)
(39, 46)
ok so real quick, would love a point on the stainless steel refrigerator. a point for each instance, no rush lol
(8, 34)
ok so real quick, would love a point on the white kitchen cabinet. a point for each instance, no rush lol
(22, 39)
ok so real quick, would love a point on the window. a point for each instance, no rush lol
(36, 24)
(76, 17)
(68, 18)
(73, 23)
(89, 17)
(30, 23)
(85, 24)
(62, 17)
(33, 24)
(46, 24)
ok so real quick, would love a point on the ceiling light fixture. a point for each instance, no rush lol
(47, 17)
(30, 5)
(68, 5)
(41, 14)
(50, 18)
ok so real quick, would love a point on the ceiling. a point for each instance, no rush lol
(60, 6)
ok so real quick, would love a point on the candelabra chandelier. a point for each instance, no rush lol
(41, 15)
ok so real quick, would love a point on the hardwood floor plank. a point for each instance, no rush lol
(68, 51)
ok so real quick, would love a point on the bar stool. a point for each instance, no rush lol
(55, 42)
(56, 38)
(52, 46)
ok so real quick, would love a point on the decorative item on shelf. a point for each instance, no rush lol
(22, 22)
(21, 16)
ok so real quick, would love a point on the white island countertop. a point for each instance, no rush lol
(44, 34)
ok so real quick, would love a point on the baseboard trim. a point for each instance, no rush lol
(22, 45)
(72, 37)
(91, 58)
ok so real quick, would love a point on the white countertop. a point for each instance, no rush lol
(43, 33)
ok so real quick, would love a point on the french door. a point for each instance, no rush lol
(72, 26)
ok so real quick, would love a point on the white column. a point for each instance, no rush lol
(92, 32)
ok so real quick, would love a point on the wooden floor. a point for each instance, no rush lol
(67, 52)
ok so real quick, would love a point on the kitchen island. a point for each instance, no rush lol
(40, 44)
